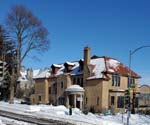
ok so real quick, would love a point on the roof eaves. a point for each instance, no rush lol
(97, 79)
(122, 74)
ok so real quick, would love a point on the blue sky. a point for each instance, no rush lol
(110, 27)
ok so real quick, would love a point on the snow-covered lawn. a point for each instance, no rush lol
(62, 113)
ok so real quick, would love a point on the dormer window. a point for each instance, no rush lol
(68, 66)
(55, 68)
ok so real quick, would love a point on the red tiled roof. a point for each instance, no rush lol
(118, 67)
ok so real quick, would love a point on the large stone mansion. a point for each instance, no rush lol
(92, 82)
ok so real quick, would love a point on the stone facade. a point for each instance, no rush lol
(41, 95)
(96, 89)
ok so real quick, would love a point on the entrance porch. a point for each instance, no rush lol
(74, 96)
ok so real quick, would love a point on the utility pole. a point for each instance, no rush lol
(129, 105)
(133, 86)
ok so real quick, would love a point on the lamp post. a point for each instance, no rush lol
(130, 76)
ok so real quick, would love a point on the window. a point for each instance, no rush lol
(136, 102)
(97, 101)
(115, 80)
(74, 80)
(112, 100)
(40, 98)
(86, 100)
(81, 82)
(120, 102)
(131, 81)
(78, 81)
(49, 90)
(54, 88)
(62, 84)
(61, 100)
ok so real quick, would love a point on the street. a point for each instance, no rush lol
(31, 119)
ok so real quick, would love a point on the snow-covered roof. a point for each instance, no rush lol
(75, 88)
(36, 72)
(23, 73)
(70, 63)
(97, 67)
(56, 65)
(76, 69)
(115, 66)
(23, 76)
(43, 74)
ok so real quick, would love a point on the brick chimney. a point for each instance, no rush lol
(87, 55)
(86, 62)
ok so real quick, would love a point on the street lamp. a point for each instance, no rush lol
(130, 75)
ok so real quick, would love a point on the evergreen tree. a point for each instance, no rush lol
(7, 57)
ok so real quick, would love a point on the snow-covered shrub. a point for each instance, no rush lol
(92, 109)
(85, 111)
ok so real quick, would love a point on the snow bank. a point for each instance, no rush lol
(1, 123)
(77, 117)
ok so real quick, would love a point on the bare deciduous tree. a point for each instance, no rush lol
(27, 31)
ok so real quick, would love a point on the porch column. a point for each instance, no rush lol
(67, 101)
(75, 100)
(81, 101)
(115, 104)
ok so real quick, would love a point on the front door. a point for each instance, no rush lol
(78, 104)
